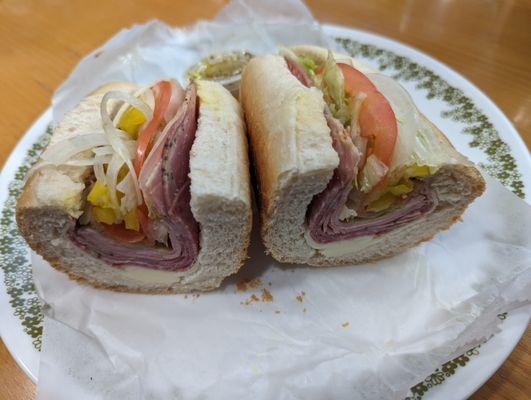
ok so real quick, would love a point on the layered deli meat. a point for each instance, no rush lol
(380, 183)
(137, 209)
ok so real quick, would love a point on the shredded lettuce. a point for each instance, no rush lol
(333, 87)
(397, 189)
(308, 63)
(372, 173)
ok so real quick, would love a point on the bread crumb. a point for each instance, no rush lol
(300, 297)
(277, 312)
(304, 310)
(266, 296)
(241, 286)
(245, 284)
(254, 283)
(345, 324)
(185, 296)
(251, 299)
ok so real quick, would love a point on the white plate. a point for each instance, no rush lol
(472, 122)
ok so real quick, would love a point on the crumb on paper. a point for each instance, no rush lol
(304, 310)
(266, 296)
(251, 299)
(241, 286)
(300, 296)
(277, 312)
(245, 284)
(345, 324)
(269, 283)
(185, 296)
(254, 283)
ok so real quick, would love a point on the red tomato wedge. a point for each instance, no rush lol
(377, 119)
(162, 91)
(118, 232)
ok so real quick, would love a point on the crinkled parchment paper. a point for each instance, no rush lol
(366, 332)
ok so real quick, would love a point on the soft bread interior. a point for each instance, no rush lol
(285, 203)
(220, 201)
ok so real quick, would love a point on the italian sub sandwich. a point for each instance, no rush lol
(143, 189)
(349, 170)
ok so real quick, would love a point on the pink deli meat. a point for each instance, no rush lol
(165, 183)
(322, 218)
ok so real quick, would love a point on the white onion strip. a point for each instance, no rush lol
(113, 134)
(129, 99)
(126, 186)
(99, 172)
(113, 169)
(144, 95)
(62, 151)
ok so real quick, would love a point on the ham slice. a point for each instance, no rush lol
(298, 72)
(165, 184)
(323, 216)
(323, 220)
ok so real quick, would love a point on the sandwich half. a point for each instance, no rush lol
(143, 189)
(349, 170)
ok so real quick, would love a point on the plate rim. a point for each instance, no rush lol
(334, 30)
(18, 153)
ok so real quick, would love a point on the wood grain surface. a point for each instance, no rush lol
(489, 42)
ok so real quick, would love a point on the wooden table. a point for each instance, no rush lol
(489, 42)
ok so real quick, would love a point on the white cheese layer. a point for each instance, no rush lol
(150, 276)
(341, 247)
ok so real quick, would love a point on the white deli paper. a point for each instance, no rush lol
(366, 332)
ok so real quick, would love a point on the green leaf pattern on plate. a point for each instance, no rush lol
(14, 253)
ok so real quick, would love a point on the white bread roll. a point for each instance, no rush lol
(220, 201)
(294, 161)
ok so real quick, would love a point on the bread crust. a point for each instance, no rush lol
(277, 206)
(213, 201)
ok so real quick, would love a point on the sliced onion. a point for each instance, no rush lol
(103, 150)
(127, 98)
(113, 168)
(372, 173)
(113, 133)
(99, 172)
(144, 94)
(407, 118)
(62, 151)
(108, 150)
(127, 187)
(86, 161)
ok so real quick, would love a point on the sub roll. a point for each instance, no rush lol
(349, 170)
(143, 189)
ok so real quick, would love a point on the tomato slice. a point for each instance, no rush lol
(377, 119)
(120, 233)
(163, 93)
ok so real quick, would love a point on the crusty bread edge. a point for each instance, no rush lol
(27, 201)
(316, 259)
